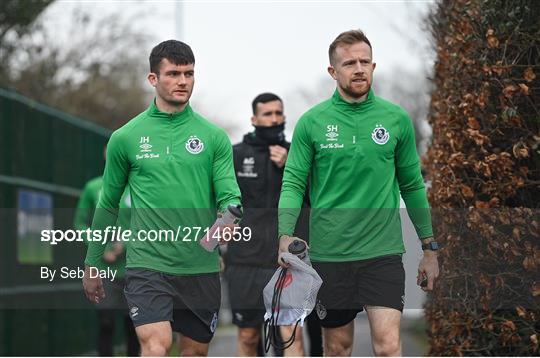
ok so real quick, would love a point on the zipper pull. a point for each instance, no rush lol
(167, 149)
(354, 139)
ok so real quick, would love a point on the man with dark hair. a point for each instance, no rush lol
(180, 172)
(359, 152)
(258, 160)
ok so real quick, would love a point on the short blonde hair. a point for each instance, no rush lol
(346, 38)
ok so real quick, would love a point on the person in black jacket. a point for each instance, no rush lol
(259, 161)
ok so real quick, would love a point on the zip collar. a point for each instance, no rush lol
(341, 103)
(153, 111)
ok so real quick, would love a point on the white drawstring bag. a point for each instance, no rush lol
(291, 293)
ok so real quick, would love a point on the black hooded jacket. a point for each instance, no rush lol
(259, 180)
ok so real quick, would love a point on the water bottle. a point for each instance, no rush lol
(231, 216)
(299, 249)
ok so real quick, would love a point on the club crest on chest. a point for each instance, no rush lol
(194, 145)
(380, 135)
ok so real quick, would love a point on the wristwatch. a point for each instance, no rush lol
(432, 245)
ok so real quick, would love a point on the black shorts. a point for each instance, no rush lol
(349, 286)
(245, 285)
(190, 302)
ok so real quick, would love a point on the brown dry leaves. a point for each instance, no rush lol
(482, 167)
(493, 42)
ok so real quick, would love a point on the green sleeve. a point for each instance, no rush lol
(411, 183)
(224, 180)
(114, 182)
(85, 208)
(124, 214)
(295, 178)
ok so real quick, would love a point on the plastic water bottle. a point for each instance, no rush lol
(299, 249)
(231, 216)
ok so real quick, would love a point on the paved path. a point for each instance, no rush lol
(223, 343)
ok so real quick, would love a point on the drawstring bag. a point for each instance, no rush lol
(289, 297)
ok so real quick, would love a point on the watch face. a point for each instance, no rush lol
(433, 245)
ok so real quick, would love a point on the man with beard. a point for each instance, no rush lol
(359, 152)
(259, 161)
(180, 173)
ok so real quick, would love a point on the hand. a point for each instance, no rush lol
(428, 267)
(93, 287)
(278, 155)
(284, 242)
(118, 248)
(110, 257)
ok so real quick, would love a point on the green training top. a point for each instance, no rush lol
(359, 157)
(85, 211)
(179, 170)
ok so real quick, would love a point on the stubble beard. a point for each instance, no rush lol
(175, 102)
(356, 94)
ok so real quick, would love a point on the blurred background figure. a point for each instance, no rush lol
(259, 161)
(114, 258)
